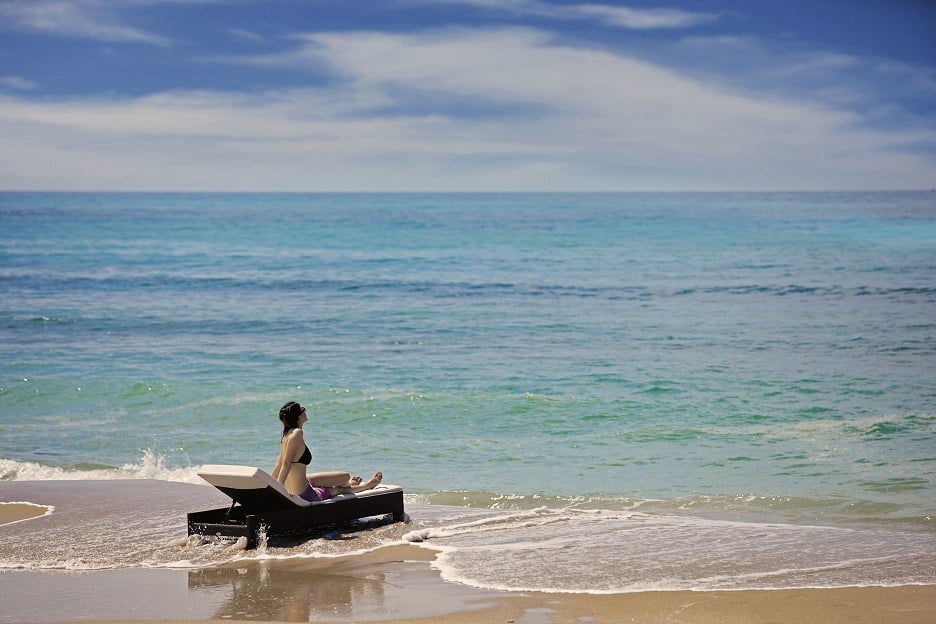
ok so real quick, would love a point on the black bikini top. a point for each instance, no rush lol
(306, 457)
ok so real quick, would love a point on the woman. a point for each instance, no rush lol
(294, 456)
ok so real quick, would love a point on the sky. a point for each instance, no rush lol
(467, 95)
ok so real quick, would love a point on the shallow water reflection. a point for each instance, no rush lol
(395, 582)
(261, 593)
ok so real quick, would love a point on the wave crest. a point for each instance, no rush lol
(151, 465)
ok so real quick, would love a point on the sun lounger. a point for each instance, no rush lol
(261, 503)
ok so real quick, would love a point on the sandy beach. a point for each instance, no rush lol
(17, 512)
(898, 605)
(158, 580)
(396, 585)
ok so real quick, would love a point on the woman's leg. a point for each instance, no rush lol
(370, 484)
(334, 478)
(341, 482)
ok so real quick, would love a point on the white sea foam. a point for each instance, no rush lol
(150, 466)
(566, 550)
(539, 549)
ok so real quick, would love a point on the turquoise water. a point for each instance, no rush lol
(732, 357)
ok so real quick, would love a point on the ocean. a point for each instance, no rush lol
(578, 392)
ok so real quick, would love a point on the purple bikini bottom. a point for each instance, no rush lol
(316, 493)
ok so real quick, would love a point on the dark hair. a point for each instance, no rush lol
(289, 416)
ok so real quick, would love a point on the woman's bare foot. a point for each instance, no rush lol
(355, 481)
(373, 481)
(370, 484)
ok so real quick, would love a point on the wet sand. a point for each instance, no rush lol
(17, 512)
(900, 605)
(391, 584)
(397, 585)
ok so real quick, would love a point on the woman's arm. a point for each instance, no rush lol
(278, 467)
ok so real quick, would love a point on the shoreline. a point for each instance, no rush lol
(152, 573)
(397, 585)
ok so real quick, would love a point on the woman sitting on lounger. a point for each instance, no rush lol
(294, 456)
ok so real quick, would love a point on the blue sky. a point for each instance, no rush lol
(467, 95)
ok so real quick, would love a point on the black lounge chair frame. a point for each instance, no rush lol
(261, 506)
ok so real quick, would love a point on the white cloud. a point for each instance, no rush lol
(17, 82)
(610, 15)
(641, 19)
(242, 34)
(85, 19)
(519, 111)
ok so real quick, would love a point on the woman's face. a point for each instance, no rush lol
(302, 416)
